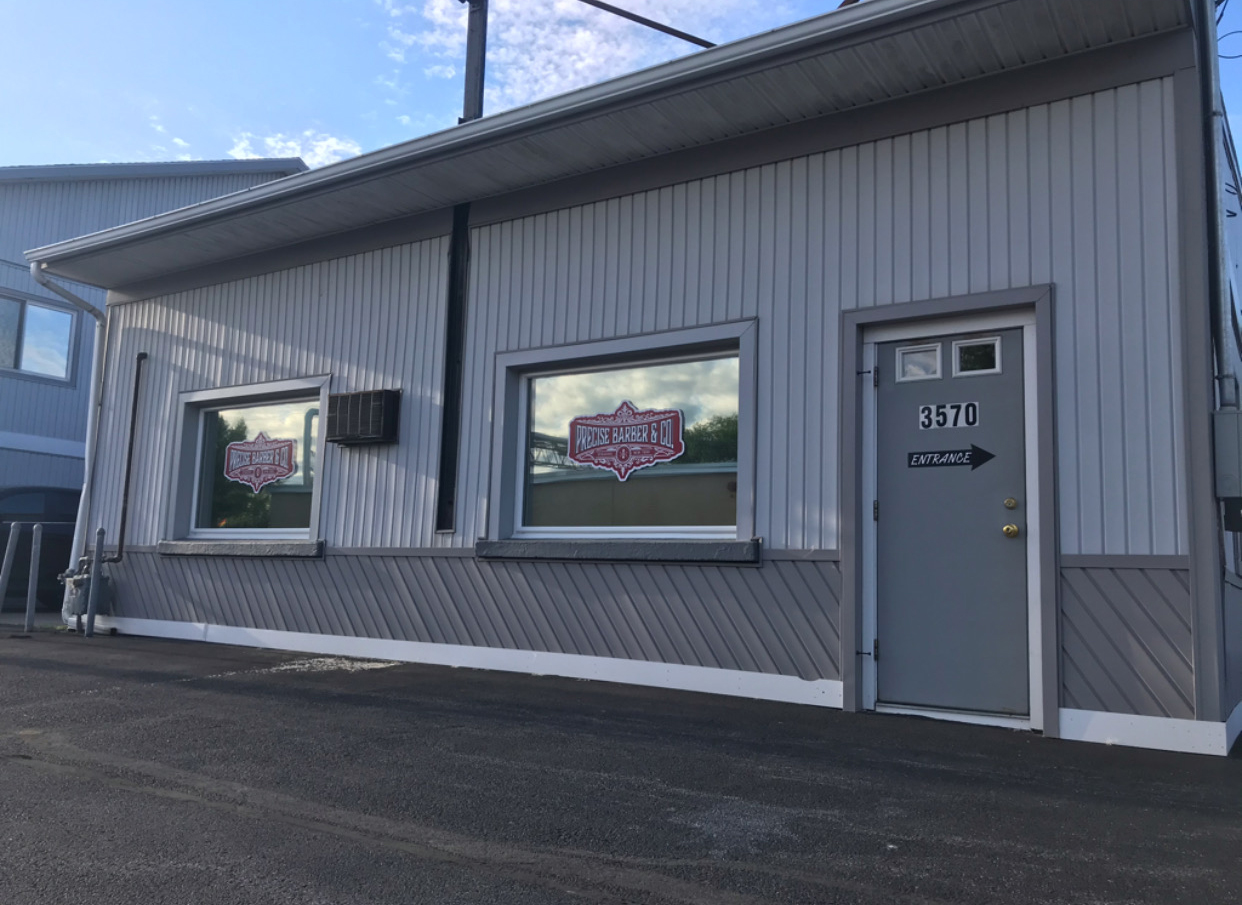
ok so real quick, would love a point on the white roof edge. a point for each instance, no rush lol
(74, 172)
(581, 102)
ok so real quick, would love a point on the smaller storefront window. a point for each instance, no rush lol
(256, 467)
(650, 446)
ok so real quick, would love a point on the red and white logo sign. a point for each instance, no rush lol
(261, 461)
(626, 440)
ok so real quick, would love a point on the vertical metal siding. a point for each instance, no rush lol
(372, 321)
(1079, 193)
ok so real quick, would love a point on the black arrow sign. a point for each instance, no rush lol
(950, 458)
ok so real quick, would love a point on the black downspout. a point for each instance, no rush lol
(129, 461)
(459, 271)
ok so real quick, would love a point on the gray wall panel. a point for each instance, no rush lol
(1126, 641)
(782, 618)
(372, 321)
(1027, 197)
(1079, 193)
(34, 469)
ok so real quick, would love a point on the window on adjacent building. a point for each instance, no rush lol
(35, 338)
(255, 468)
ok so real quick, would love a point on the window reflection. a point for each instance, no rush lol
(697, 488)
(35, 338)
(225, 499)
(45, 341)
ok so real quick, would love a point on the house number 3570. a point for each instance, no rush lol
(949, 414)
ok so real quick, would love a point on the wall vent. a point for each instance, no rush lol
(358, 418)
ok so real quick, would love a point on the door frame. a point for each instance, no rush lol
(1031, 309)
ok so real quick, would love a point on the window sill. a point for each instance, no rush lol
(297, 549)
(722, 552)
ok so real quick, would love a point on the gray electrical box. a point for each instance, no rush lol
(1228, 426)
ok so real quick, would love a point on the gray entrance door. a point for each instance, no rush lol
(951, 605)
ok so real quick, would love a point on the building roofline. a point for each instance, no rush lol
(77, 172)
(631, 89)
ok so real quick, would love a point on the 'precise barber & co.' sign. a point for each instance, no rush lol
(626, 440)
(261, 461)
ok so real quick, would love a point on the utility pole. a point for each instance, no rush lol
(476, 56)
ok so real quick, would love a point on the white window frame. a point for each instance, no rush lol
(187, 472)
(514, 373)
(71, 348)
(923, 347)
(979, 341)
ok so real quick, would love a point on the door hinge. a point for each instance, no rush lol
(875, 376)
(875, 650)
(875, 510)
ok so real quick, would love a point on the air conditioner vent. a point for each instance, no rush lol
(369, 417)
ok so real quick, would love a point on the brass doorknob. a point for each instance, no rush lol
(1010, 530)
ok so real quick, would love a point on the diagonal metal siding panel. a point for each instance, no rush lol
(781, 618)
(1126, 641)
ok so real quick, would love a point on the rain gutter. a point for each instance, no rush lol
(1213, 133)
(78, 548)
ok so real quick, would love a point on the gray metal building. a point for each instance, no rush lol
(929, 287)
(45, 350)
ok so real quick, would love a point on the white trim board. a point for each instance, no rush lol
(675, 676)
(1160, 733)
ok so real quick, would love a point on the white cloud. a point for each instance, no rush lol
(317, 149)
(440, 72)
(155, 123)
(536, 50)
(181, 143)
(185, 156)
(404, 120)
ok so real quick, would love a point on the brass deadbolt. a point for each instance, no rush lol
(1010, 530)
(1011, 503)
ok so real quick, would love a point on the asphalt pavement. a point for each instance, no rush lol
(143, 771)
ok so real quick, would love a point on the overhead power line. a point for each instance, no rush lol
(650, 23)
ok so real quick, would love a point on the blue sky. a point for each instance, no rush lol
(133, 80)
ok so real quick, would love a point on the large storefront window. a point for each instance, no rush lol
(256, 468)
(644, 446)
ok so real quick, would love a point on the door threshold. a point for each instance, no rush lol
(958, 716)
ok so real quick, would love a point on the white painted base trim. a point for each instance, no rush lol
(959, 716)
(735, 683)
(1161, 733)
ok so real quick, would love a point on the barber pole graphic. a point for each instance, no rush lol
(626, 440)
(261, 461)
